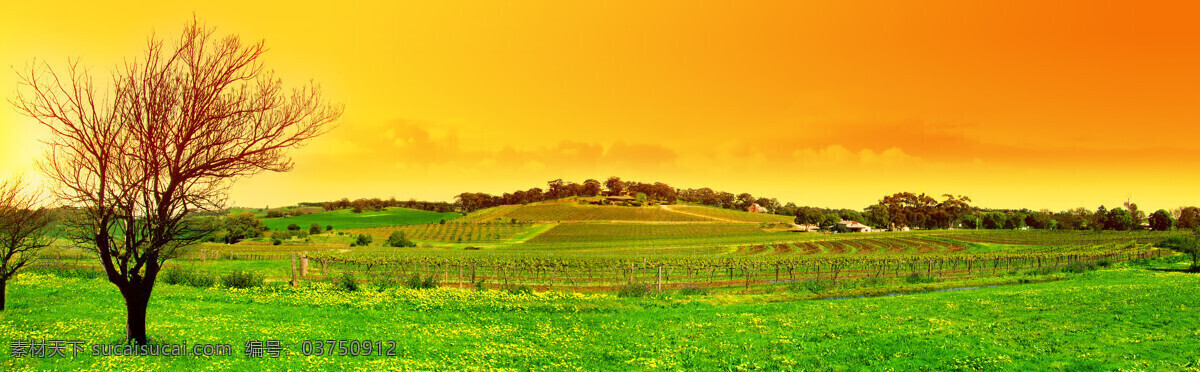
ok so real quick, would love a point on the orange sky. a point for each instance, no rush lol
(1017, 104)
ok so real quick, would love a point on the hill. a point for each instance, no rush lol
(564, 211)
(575, 211)
(347, 219)
(729, 215)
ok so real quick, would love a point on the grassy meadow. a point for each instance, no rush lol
(570, 286)
(1130, 317)
(347, 219)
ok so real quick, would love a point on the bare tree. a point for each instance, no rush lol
(180, 125)
(23, 223)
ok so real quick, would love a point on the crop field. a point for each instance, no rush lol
(452, 232)
(564, 212)
(346, 219)
(731, 215)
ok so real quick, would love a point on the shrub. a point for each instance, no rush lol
(693, 291)
(384, 282)
(346, 282)
(518, 289)
(328, 227)
(276, 242)
(241, 279)
(274, 214)
(314, 229)
(363, 240)
(443, 222)
(185, 276)
(174, 275)
(916, 278)
(293, 227)
(202, 280)
(633, 290)
(415, 282)
(471, 248)
(1104, 262)
(814, 286)
(430, 282)
(398, 239)
(1079, 267)
(874, 281)
(69, 272)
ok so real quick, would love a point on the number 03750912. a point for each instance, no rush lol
(348, 348)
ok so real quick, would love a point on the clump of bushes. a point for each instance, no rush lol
(693, 291)
(399, 239)
(363, 240)
(70, 272)
(184, 276)
(241, 279)
(285, 235)
(918, 278)
(814, 286)
(874, 281)
(346, 282)
(415, 282)
(518, 289)
(1078, 267)
(633, 290)
(293, 227)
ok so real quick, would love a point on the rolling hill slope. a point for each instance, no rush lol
(347, 219)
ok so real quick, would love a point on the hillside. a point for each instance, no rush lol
(729, 215)
(573, 211)
(347, 219)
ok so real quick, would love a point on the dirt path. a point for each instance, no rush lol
(668, 208)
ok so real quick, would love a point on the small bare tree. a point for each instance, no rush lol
(180, 125)
(23, 223)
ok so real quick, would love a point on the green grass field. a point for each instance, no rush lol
(1128, 318)
(737, 294)
(347, 219)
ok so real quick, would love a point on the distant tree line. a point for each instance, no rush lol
(896, 211)
(377, 204)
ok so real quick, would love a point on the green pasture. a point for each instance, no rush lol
(1132, 317)
(347, 219)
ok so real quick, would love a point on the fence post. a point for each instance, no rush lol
(293, 269)
(747, 278)
(304, 265)
(659, 278)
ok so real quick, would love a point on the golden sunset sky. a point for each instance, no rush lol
(1035, 104)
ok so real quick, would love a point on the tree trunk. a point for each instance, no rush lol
(136, 303)
(3, 292)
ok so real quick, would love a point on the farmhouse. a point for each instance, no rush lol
(757, 209)
(853, 226)
(804, 228)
